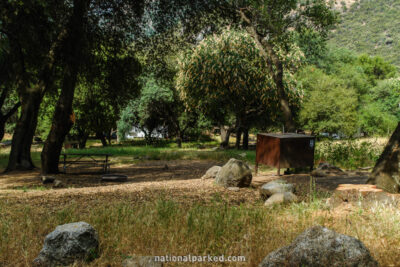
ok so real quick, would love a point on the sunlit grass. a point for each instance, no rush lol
(165, 227)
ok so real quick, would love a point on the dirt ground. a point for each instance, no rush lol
(178, 179)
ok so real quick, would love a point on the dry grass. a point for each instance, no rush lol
(172, 212)
(158, 222)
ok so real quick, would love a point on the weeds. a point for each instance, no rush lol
(165, 227)
(349, 154)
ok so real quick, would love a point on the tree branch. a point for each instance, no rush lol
(12, 111)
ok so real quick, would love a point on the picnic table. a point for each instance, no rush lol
(86, 158)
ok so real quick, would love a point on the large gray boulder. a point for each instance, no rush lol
(68, 243)
(319, 246)
(141, 261)
(276, 186)
(211, 173)
(235, 173)
(279, 198)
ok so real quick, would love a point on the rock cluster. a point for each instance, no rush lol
(277, 192)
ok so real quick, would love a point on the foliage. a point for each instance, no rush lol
(328, 105)
(387, 94)
(367, 27)
(349, 154)
(148, 112)
(225, 74)
(345, 92)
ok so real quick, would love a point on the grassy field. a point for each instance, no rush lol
(164, 226)
(159, 222)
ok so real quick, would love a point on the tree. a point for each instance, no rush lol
(72, 55)
(273, 24)
(113, 24)
(104, 88)
(31, 41)
(149, 112)
(377, 68)
(9, 103)
(328, 104)
(386, 170)
(225, 76)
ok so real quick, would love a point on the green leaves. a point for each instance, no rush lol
(226, 74)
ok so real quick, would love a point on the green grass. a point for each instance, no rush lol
(348, 154)
(168, 151)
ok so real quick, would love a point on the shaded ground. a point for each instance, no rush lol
(179, 179)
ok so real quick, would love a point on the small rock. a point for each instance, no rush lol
(211, 173)
(276, 186)
(234, 173)
(141, 261)
(58, 184)
(233, 188)
(47, 179)
(329, 167)
(319, 173)
(68, 243)
(243, 155)
(279, 198)
(114, 178)
(319, 246)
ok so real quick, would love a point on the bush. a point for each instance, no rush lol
(349, 154)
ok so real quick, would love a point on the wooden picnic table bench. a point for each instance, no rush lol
(90, 159)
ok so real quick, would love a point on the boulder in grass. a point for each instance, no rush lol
(235, 173)
(279, 198)
(276, 186)
(211, 173)
(320, 247)
(114, 178)
(142, 261)
(67, 244)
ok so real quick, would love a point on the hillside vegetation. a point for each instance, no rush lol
(371, 27)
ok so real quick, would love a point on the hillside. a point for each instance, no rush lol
(370, 26)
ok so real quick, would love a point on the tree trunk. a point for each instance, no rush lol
(225, 134)
(4, 118)
(82, 141)
(82, 138)
(62, 119)
(386, 170)
(2, 127)
(245, 138)
(20, 155)
(179, 138)
(109, 137)
(238, 137)
(272, 59)
(290, 127)
(102, 139)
